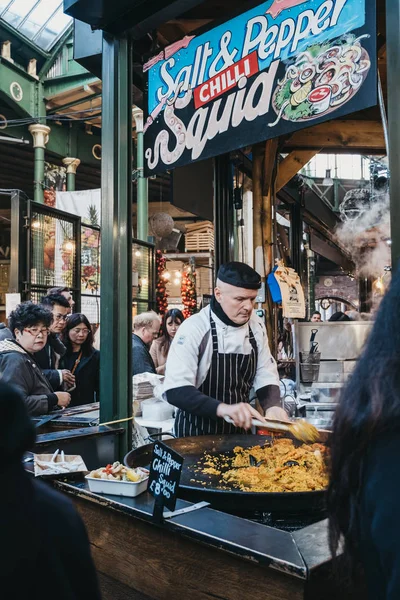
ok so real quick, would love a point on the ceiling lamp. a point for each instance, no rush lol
(328, 181)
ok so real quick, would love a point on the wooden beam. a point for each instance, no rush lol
(292, 165)
(339, 135)
(268, 189)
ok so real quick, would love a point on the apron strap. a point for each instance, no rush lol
(253, 343)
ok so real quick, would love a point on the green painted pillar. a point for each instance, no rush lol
(393, 93)
(40, 134)
(116, 239)
(142, 183)
(71, 164)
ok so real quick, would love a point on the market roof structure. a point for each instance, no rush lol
(42, 22)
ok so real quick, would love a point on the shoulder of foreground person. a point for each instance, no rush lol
(379, 520)
(67, 533)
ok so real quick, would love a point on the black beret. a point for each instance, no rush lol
(240, 275)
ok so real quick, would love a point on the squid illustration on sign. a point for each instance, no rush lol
(322, 79)
(279, 6)
(175, 125)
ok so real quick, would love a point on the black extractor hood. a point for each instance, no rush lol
(117, 16)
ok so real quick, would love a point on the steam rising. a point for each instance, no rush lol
(365, 231)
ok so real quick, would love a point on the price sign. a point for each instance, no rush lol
(165, 474)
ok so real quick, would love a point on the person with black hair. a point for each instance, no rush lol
(81, 359)
(63, 291)
(316, 317)
(29, 324)
(46, 548)
(48, 358)
(364, 490)
(339, 316)
(171, 322)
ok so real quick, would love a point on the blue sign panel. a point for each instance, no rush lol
(281, 66)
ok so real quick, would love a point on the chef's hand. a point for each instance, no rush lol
(276, 413)
(68, 377)
(63, 399)
(241, 414)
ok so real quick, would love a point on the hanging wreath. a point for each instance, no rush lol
(161, 289)
(188, 292)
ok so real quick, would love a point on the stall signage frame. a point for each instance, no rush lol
(279, 67)
(165, 474)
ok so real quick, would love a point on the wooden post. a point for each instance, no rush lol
(257, 202)
(264, 158)
(268, 192)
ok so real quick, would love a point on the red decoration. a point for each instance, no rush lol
(161, 290)
(188, 292)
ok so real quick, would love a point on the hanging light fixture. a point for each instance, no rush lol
(328, 181)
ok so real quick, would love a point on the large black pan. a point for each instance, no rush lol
(193, 448)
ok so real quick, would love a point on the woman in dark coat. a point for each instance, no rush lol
(46, 551)
(81, 359)
(364, 492)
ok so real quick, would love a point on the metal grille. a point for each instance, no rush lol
(143, 277)
(90, 272)
(54, 239)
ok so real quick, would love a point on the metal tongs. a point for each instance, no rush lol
(301, 430)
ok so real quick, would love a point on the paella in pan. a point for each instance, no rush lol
(281, 466)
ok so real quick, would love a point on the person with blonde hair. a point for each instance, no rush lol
(146, 327)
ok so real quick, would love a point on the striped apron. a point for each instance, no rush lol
(229, 379)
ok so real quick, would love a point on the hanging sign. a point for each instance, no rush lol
(279, 67)
(291, 292)
(165, 474)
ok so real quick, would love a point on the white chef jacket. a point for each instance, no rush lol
(189, 357)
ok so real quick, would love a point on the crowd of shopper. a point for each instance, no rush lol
(51, 354)
(47, 353)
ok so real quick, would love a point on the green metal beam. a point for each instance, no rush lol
(65, 83)
(38, 175)
(142, 189)
(14, 78)
(54, 52)
(393, 67)
(57, 109)
(116, 234)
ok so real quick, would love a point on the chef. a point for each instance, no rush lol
(218, 356)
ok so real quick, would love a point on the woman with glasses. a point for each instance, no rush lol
(171, 322)
(81, 359)
(29, 325)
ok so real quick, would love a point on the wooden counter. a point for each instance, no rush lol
(202, 554)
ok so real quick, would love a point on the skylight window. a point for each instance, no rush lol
(41, 21)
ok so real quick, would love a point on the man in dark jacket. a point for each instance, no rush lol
(29, 324)
(49, 357)
(145, 329)
(47, 551)
(5, 333)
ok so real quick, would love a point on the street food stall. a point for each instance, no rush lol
(276, 547)
(216, 541)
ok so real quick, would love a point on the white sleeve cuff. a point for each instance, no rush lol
(61, 375)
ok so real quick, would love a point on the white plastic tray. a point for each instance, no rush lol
(117, 488)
